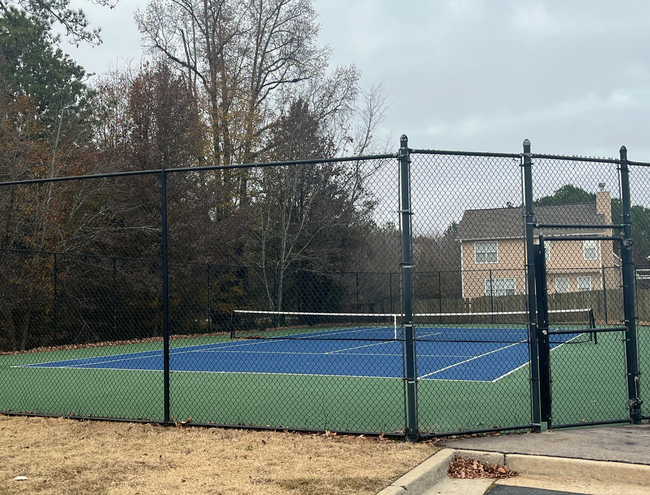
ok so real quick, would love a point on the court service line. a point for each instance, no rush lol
(358, 347)
(528, 362)
(472, 359)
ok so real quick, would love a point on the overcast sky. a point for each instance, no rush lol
(480, 75)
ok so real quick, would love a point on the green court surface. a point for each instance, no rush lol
(589, 385)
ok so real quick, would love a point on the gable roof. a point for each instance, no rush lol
(500, 223)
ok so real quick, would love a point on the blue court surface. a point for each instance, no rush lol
(436, 359)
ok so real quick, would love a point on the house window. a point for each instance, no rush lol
(584, 284)
(590, 250)
(562, 284)
(547, 250)
(500, 287)
(486, 252)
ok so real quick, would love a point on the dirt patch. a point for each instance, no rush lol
(61, 456)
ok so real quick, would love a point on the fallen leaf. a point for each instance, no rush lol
(472, 468)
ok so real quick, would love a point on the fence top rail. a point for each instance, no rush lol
(466, 153)
(638, 164)
(574, 158)
(159, 171)
(577, 226)
(579, 237)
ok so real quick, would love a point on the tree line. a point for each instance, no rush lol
(230, 82)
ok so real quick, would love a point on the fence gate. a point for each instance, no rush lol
(584, 357)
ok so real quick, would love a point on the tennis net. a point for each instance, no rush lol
(502, 327)
(509, 326)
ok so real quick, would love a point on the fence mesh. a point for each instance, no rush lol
(459, 203)
(283, 305)
(588, 382)
(80, 274)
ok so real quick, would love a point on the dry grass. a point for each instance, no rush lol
(60, 456)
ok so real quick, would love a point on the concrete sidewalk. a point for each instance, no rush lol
(629, 443)
(597, 461)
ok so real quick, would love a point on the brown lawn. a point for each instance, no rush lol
(60, 456)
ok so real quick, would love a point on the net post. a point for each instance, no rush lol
(407, 288)
(165, 297)
(592, 324)
(629, 280)
(530, 270)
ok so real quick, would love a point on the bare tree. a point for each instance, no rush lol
(238, 54)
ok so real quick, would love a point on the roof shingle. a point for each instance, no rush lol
(500, 223)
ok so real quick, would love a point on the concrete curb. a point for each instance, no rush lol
(423, 477)
(434, 470)
(579, 469)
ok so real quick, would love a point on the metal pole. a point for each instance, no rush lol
(390, 289)
(629, 307)
(440, 297)
(543, 338)
(114, 298)
(165, 296)
(55, 309)
(532, 303)
(407, 267)
(209, 306)
(356, 274)
(491, 296)
(605, 293)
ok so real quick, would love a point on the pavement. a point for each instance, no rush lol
(612, 460)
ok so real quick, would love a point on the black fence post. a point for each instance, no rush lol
(440, 296)
(491, 297)
(209, 302)
(629, 306)
(543, 338)
(407, 267)
(55, 302)
(356, 275)
(530, 267)
(604, 284)
(390, 290)
(165, 296)
(114, 298)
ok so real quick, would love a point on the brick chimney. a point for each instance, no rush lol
(604, 203)
(604, 207)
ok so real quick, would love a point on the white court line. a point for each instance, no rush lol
(472, 359)
(359, 347)
(528, 362)
(86, 363)
(401, 378)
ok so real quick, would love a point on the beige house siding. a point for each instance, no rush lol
(566, 261)
(511, 265)
(501, 260)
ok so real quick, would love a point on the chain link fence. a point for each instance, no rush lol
(311, 296)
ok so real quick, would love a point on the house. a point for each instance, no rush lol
(493, 249)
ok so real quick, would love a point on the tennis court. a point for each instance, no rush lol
(343, 378)
(463, 351)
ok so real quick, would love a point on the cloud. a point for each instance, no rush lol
(573, 110)
(532, 19)
(466, 7)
